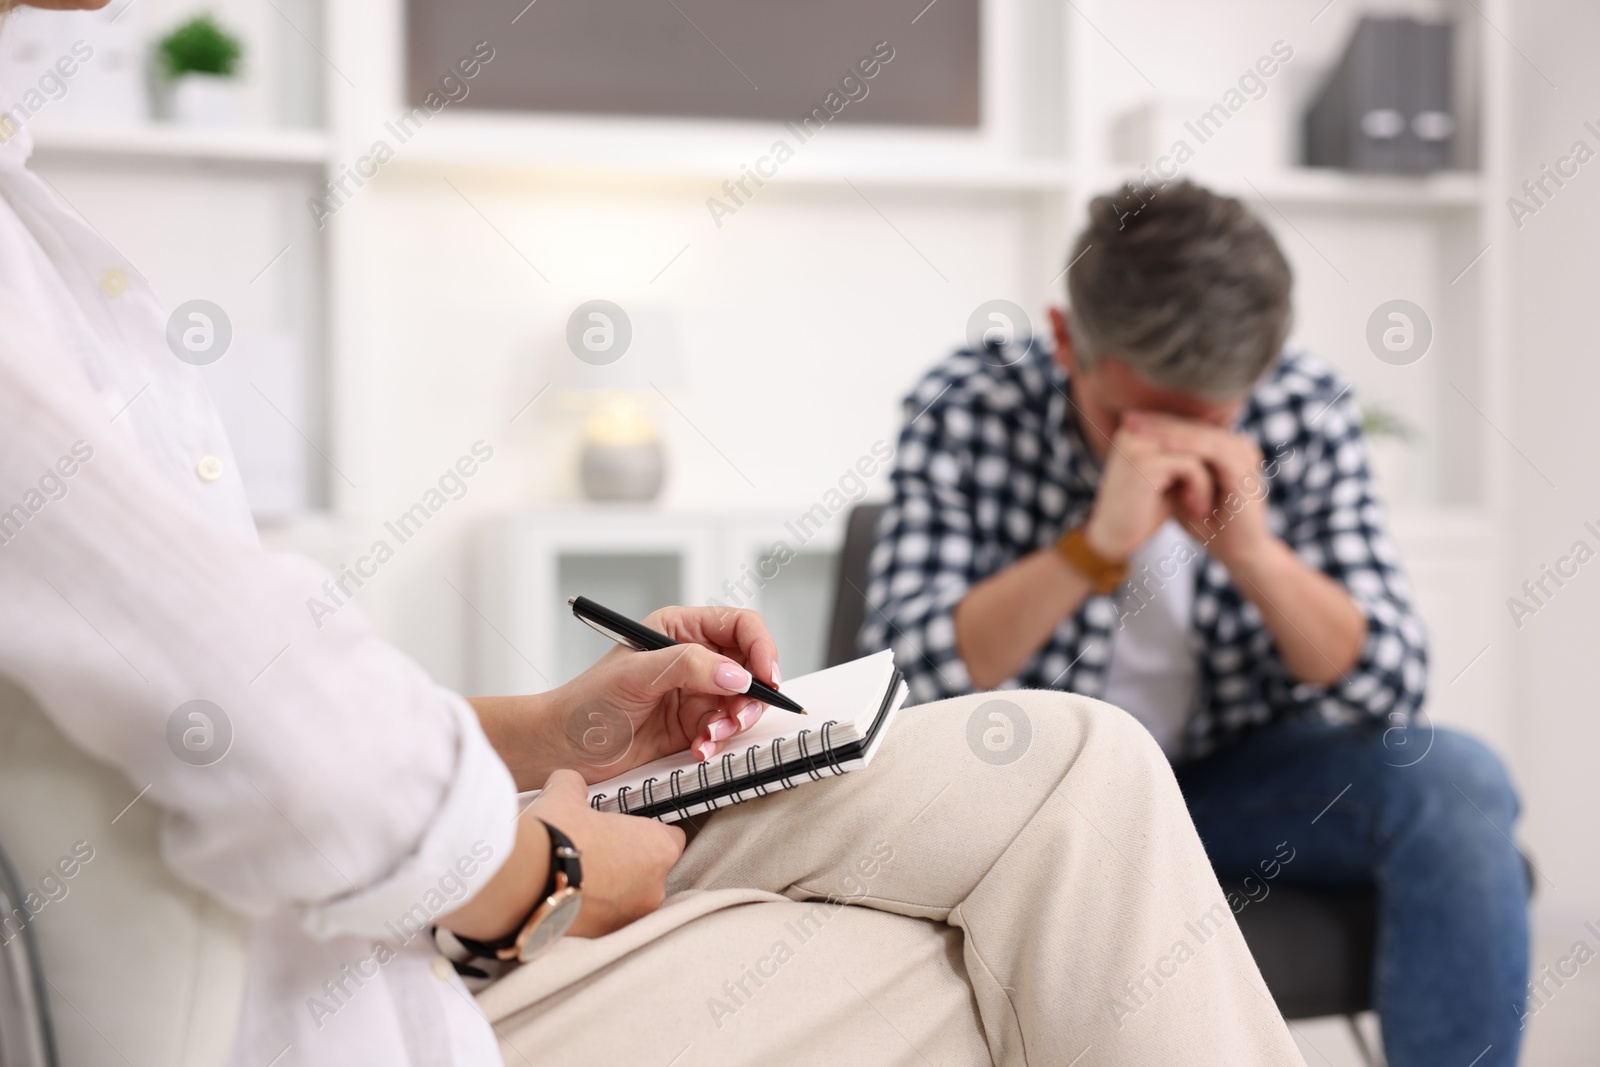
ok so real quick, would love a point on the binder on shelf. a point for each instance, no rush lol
(1430, 127)
(1386, 106)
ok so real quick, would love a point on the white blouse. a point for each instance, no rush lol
(357, 797)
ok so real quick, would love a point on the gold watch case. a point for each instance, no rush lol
(550, 921)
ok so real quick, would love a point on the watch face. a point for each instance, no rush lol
(554, 925)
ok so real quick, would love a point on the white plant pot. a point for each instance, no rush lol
(203, 100)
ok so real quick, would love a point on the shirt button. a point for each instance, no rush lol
(442, 969)
(114, 282)
(209, 468)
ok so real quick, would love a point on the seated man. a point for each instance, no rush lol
(1173, 514)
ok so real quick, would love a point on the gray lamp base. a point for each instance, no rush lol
(622, 472)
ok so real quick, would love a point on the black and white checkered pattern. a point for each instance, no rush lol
(991, 467)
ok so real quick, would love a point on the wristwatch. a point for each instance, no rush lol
(1104, 574)
(553, 913)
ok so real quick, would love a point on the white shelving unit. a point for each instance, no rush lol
(1004, 156)
(1046, 143)
(1448, 218)
(1057, 78)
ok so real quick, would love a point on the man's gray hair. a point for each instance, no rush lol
(1184, 286)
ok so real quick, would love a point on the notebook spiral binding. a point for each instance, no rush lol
(704, 784)
(777, 761)
(676, 793)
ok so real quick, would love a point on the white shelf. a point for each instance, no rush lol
(976, 171)
(1326, 187)
(701, 151)
(637, 149)
(186, 144)
(1335, 188)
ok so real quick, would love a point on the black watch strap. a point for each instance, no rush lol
(563, 860)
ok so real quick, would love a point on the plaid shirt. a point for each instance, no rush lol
(991, 467)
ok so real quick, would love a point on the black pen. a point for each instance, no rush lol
(640, 638)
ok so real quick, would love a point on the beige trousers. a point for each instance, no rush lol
(1054, 909)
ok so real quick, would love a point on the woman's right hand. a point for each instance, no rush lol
(625, 858)
(631, 708)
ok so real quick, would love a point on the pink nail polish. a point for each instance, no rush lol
(777, 675)
(705, 750)
(721, 729)
(749, 714)
(732, 677)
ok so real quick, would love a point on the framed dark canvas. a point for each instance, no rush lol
(725, 59)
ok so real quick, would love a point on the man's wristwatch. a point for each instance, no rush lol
(1104, 574)
(554, 911)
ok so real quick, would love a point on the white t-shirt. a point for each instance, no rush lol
(1153, 671)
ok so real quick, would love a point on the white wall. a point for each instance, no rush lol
(803, 321)
(1555, 382)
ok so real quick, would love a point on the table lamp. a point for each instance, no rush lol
(614, 361)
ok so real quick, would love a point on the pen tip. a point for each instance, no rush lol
(571, 600)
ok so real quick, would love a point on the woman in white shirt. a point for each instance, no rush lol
(349, 801)
(132, 582)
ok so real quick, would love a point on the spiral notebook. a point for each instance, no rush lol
(849, 708)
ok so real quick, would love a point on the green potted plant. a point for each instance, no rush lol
(199, 67)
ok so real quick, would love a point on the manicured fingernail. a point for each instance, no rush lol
(732, 677)
(705, 750)
(749, 714)
(777, 675)
(721, 729)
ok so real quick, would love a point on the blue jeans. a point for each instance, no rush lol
(1431, 831)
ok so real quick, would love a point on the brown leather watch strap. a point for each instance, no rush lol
(1104, 575)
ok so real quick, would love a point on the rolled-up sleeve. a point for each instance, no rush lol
(349, 783)
(922, 563)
